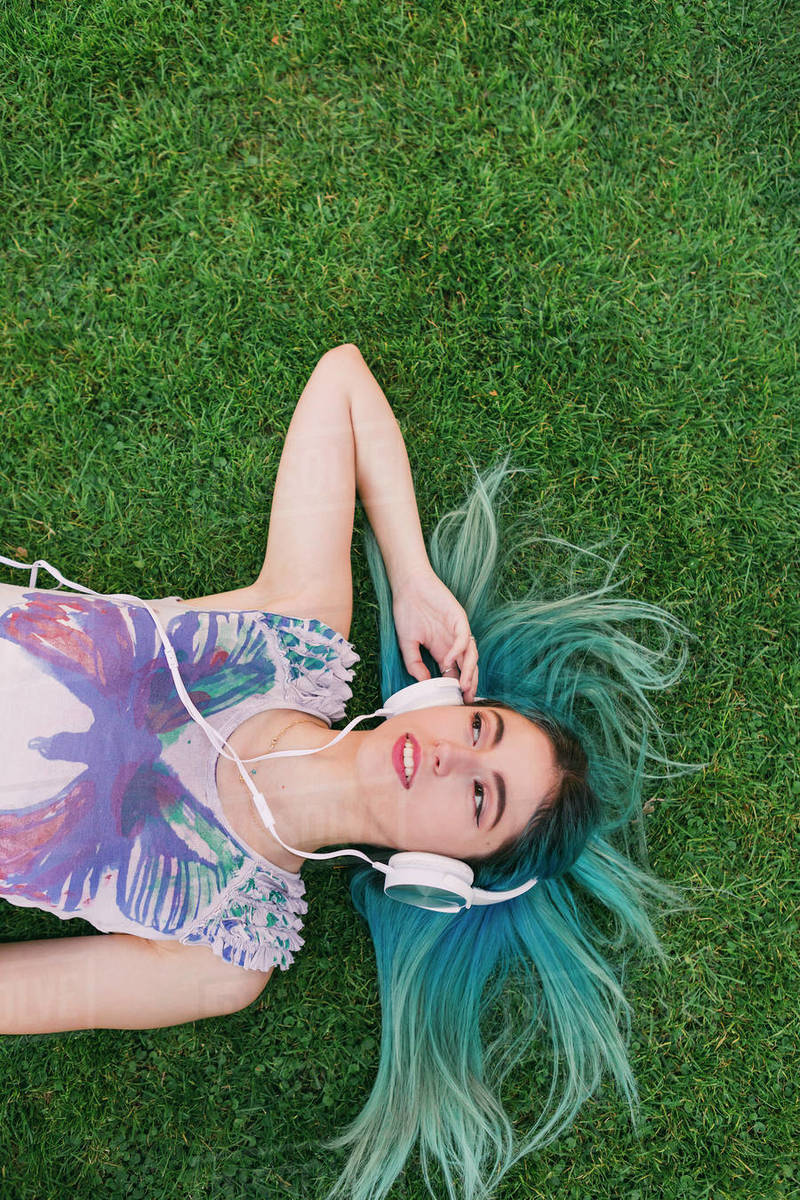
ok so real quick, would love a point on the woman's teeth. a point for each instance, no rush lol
(408, 760)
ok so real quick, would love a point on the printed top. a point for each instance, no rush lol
(109, 808)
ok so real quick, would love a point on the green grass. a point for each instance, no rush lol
(564, 229)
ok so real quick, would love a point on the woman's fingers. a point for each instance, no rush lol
(465, 649)
(412, 657)
(457, 652)
(469, 673)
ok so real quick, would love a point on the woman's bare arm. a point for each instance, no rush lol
(343, 436)
(383, 473)
(116, 981)
(306, 571)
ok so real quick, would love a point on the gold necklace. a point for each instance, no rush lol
(272, 745)
(283, 731)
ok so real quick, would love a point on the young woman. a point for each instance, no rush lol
(115, 807)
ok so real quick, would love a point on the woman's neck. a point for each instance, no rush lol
(312, 797)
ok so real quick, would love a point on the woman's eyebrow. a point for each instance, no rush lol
(499, 727)
(499, 782)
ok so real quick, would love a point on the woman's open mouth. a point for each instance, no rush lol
(406, 756)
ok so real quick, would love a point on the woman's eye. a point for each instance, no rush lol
(479, 804)
(478, 786)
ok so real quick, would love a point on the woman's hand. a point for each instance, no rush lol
(426, 613)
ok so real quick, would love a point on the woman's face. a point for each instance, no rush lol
(478, 776)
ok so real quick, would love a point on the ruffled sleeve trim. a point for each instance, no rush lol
(256, 921)
(320, 664)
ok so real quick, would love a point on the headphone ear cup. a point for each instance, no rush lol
(430, 881)
(425, 694)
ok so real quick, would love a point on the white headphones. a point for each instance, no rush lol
(430, 881)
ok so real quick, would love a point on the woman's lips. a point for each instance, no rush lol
(397, 758)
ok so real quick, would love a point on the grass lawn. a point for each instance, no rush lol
(568, 230)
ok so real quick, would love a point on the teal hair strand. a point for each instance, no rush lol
(468, 999)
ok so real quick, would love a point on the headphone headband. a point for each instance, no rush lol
(444, 884)
(429, 693)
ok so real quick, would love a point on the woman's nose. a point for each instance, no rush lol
(448, 757)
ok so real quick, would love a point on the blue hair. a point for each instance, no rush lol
(464, 998)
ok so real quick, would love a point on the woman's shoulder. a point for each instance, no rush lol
(317, 662)
(256, 599)
(309, 638)
(256, 921)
